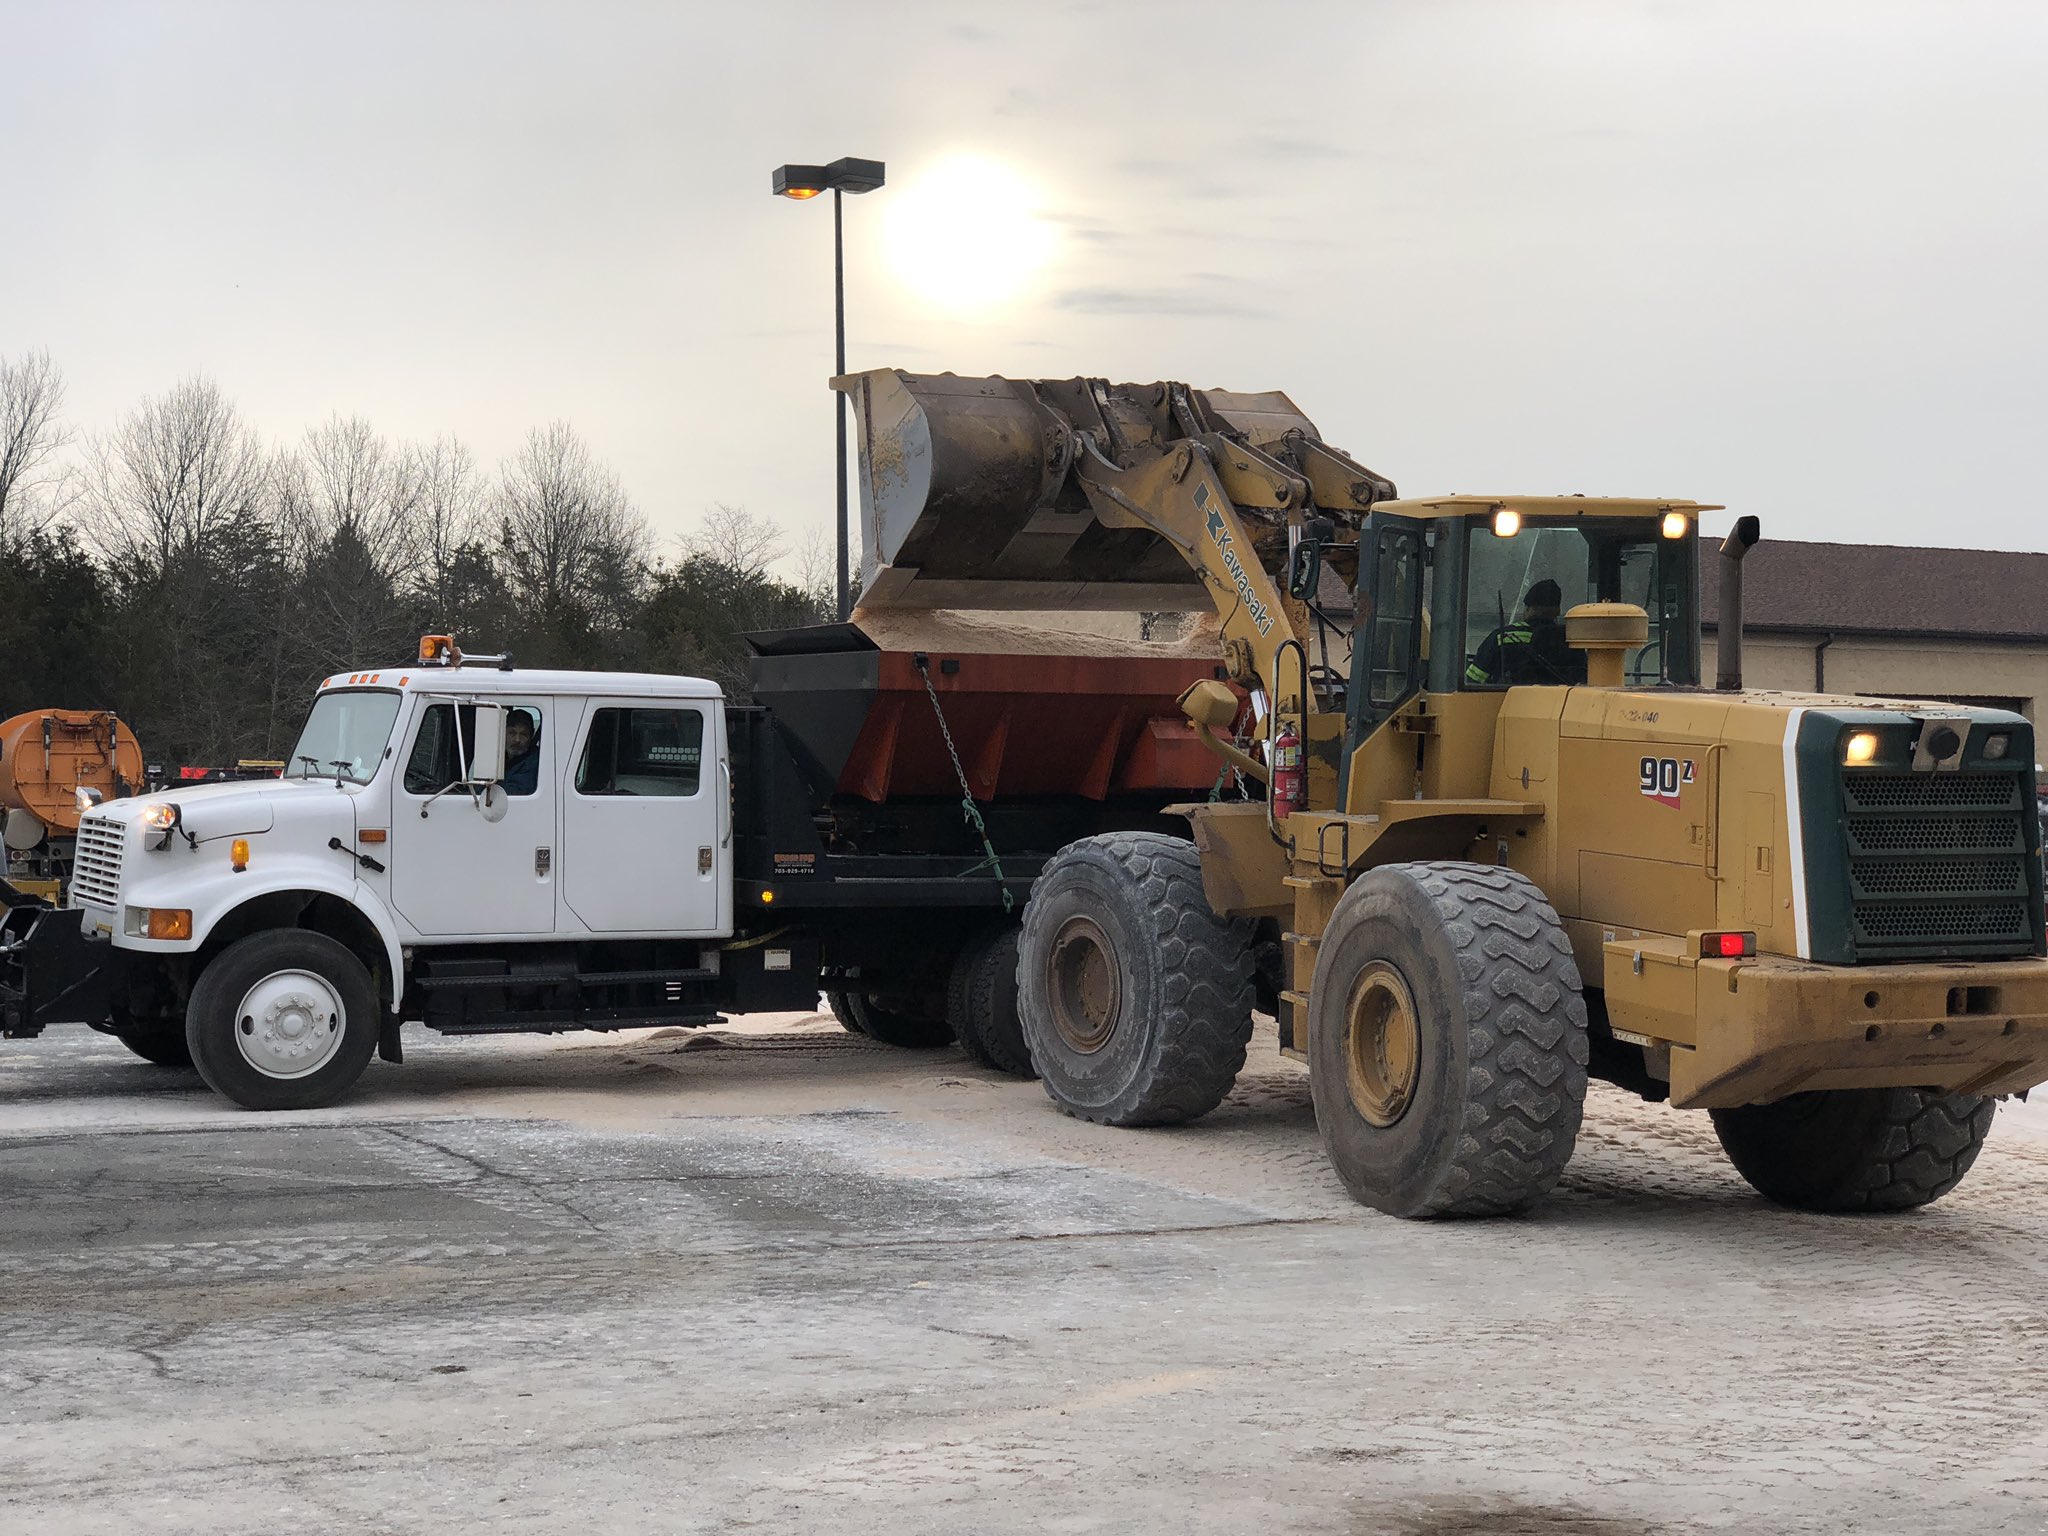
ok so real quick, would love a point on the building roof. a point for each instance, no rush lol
(1884, 589)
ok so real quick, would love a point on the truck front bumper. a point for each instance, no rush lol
(1752, 1031)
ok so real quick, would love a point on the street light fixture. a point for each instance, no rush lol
(801, 183)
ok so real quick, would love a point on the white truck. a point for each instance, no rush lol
(483, 849)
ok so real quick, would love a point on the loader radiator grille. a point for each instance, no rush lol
(1937, 864)
(96, 863)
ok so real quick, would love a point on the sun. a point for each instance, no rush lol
(967, 232)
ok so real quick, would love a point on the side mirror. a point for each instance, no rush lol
(487, 752)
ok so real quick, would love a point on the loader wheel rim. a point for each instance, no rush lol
(290, 1024)
(1086, 985)
(1382, 1045)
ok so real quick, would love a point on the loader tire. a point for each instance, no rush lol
(1136, 997)
(160, 1042)
(1447, 1041)
(903, 1020)
(981, 1003)
(283, 1019)
(1856, 1149)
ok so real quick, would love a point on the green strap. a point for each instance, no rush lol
(969, 809)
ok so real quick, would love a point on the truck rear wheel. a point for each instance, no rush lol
(982, 1006)
(285, 1019)
(1447, 1041)
(846, 1009)
(905, 1020)
(1136, 998)
(1856, 1149)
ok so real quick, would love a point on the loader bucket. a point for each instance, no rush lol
(966, 502)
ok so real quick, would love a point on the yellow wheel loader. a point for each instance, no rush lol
(1529, 845)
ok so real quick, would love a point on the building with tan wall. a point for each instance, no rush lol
(1964, 626)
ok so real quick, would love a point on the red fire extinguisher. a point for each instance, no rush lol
(1290, 779)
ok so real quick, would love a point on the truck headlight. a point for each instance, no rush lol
(164, 817)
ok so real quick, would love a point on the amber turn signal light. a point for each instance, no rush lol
(170, 923)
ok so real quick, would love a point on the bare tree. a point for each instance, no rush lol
(817, 571)
(572, 542)
(181, 471)
(743, 542)
(347, 490)
(446, 526)
(31, 395)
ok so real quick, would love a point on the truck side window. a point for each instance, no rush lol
(431, 765)
(642, 752)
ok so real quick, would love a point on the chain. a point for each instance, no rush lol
(967, 805)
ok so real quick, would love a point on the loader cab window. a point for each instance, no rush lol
(1519, 589)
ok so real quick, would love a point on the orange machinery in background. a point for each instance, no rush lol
(52, 763)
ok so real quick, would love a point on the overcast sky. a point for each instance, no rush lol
(1787, 256)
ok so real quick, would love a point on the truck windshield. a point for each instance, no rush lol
(344, 736)
(1518, 590)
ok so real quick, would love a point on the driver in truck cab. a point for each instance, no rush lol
(522, 753)
(1532, 649)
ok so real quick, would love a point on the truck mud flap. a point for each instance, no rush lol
(50, 972)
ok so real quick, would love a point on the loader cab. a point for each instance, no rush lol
(1469, 593)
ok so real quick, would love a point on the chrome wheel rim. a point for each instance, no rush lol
(290, 1024)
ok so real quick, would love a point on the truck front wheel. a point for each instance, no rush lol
(1136, 997)
(282, 1020)
(1856, 1149)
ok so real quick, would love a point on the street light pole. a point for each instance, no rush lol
(838, 399)
(803, 182)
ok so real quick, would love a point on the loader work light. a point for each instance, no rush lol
(1676, 525)
(1860, 748)
(1507, 522)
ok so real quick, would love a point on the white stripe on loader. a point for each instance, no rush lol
(1796, 854)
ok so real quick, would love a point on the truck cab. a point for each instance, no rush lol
(429, 817)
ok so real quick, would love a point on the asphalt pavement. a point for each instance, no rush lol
(783, 1279)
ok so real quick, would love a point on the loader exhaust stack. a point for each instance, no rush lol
(1728, 636)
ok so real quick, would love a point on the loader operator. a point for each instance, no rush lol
(1531, 649)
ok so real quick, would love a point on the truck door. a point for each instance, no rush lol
(465, 870)
(645, 819)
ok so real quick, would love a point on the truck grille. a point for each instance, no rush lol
(1937, 864)
(96, 863)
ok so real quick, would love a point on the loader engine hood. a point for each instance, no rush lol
(1917, 832)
